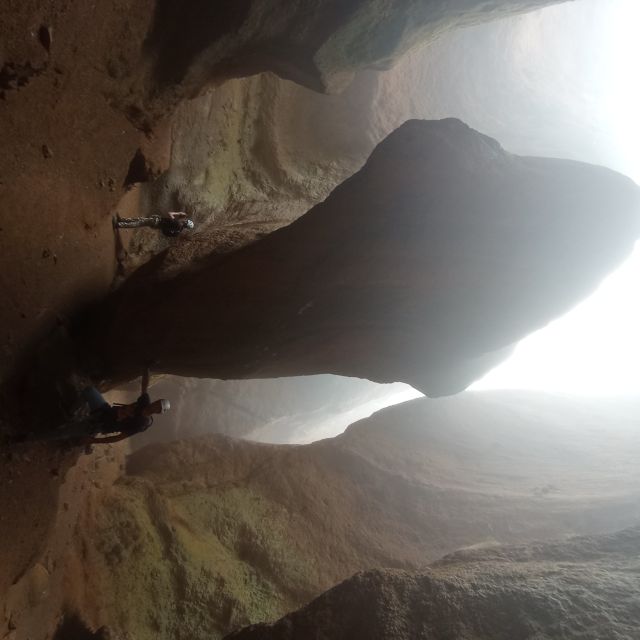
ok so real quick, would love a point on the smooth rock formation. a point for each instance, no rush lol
(584, 588)
(208, 535)
(316, 43)
(425, 267)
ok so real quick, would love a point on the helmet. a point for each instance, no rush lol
(165, 405)
(189, 224)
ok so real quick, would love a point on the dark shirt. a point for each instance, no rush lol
(134, 424)
(143, 401)
(171, 227)
(131, 425)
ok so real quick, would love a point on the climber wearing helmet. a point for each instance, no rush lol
(171, 225)
(119, 421)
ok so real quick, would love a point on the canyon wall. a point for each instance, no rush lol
(317, 43)
(256, 153)
(210, 534)
(584, 588)
(425, 267)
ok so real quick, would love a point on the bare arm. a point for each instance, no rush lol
(145, 381)
(177, 215)
(109, 439)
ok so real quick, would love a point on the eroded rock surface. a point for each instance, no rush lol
(424, 267)
(317, 43)
(208, 535)
(583, 588)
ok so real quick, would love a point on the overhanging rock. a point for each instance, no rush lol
(424, 267)
(317, 43)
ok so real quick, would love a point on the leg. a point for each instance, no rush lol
(133, 223)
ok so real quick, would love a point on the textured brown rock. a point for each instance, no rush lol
(584, 588)
(208, 535)
(317, 43)
(440, 253)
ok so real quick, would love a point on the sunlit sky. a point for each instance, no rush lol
(595, 348)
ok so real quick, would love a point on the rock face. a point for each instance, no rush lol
(424, 267)
(584, 588)
(208, 535)
(244, 160)
(317, 43)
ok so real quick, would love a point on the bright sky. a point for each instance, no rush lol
(595, 349)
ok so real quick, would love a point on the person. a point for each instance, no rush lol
(171, 225)
(119, 421)
(105, 423)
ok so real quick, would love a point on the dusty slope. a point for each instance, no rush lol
(210, 534)
(584, 588)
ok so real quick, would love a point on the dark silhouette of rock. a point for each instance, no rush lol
(584, 588)
(317, 43)
(425, 267)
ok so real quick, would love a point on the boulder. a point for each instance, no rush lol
(583, 588)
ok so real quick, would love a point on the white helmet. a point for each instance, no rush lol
(165, 405)
(189, 224)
